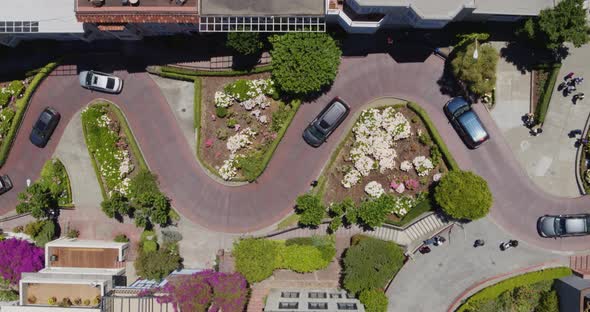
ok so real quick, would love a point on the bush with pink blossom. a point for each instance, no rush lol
(19, 256)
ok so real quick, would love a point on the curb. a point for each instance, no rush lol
(473, 289)
(577, 160)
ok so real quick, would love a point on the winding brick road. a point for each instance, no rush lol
(518, 202)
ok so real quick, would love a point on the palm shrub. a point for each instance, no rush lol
(305, 62)
(463, 195)
(370, 264)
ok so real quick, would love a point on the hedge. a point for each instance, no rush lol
(225, 73)
(545, 98)
(448, 157)
(495, 290)
(21, 108)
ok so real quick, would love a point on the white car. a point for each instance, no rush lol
(100, 81)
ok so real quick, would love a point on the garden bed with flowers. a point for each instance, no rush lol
(9, 93)
(242, 122)
(388, 151)
(112, 147)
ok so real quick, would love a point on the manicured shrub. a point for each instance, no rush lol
(47, 233)
(374, 300)
(121, 238)
(301, 258)
(463, 195)
(357, 238)
(245, 43)
(304, 62)
(479, 75)
(372, 212)
(549, 302)
(73, 233)
(52, 301)
(310, 209)
(281, 116)
(17, 257)
(170, 237)
(143, 182)
(96, 301)
(221, 111)
(149, 246)
(370, 264)
(65, 302)
(157, 265)
(256, 259)
(33, 228)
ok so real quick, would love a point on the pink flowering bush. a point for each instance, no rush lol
(206, 291)
(19, 256)
(412, 184)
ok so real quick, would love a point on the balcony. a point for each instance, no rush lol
(137, 11)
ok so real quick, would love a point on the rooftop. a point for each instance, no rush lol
(145, 11)
(263, 7)
(79, 257)
(520, 7)
(55, 16)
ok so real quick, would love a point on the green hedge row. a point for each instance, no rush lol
(545, 98)
(21, 108)
(497, 289)
(448, 157)
(197, 73)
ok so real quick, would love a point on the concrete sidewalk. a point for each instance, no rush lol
(548, 159)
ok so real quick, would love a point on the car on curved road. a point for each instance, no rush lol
(466, 122)
(44, 127)
(564, 225)
(326, 122)
(5, 184)
(98, 81)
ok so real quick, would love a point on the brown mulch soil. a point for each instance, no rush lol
(539, 79)
(406, 149)
(211, 124)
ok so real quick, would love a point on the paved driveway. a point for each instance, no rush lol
(241, 209)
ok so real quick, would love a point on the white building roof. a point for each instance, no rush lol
(511, 7)
(81, 243)
(54, 16)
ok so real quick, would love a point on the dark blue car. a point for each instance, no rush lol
(466, 122)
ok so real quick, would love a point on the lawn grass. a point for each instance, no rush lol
(288, 222)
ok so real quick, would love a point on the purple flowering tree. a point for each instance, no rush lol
(18, 256)
(206, 291)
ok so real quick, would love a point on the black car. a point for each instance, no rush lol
(44, 127)
(466, 122)
(324, 124)
(5, 184)
(564, 225)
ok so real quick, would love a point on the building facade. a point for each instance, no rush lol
(90, 20)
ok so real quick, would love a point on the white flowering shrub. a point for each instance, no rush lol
(405, 166)
(374, 189)
(228, 170)
(423, 165)
(223, 99)
(402, 204)
(239, 140)
(351, 178)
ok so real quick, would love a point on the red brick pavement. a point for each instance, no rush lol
(518, 202)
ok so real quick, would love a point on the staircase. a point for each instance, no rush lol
(417, 232)
(256, 302)
(581, 265)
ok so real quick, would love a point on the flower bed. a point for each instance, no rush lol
(389, 151)
(241, 125)
(111, 147)
(9, 93)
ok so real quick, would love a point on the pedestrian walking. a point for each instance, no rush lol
(478, 243)
(571, 88)
(568, 76)
(529, 120)
(575, 132)
(536, 130)
(424, 250)
(579, 96)
(578, 80)
(559, 88)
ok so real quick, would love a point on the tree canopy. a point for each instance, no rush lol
(478, 74)
(463, 195)
(36, 199)
(564, 23)
(245, 43)
(310, 209)
(304, 62)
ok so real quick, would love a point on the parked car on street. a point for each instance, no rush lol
(98, 81)
(326, 122)
(466, 122)
(5, 184)
(564, 225)
(44, 127)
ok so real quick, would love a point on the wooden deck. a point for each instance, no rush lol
(85, 257)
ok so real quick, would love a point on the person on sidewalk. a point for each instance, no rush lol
(578, 80)
(536, 130)
(578, 97)
(568, 76)
(478, 243)
(571, 88)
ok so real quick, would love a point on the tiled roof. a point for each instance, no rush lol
(135, 18)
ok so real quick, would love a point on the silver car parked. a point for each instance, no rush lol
(564, 225)
(98, 81)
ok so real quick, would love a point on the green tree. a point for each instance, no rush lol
(310, 209)
(245, 43)
(372, 212)
(118, 204)
(153, 206)
(46, 234)
(463, 195)
(566, 22)
(342, 212)
(374, 300)
(256, 259)
(36, 199)
(549, 302)
(143, 182)
(157, 264)
(370, 264)
(478, 74)
(304, 62)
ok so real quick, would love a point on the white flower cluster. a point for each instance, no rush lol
(351, 178)
(406, 166)
(374, 138)
(259, 100)
(234, 143)
(402, 204)
(223, 99)
(423, 165)
(125, 167)
(258, 115)
(374, 189)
